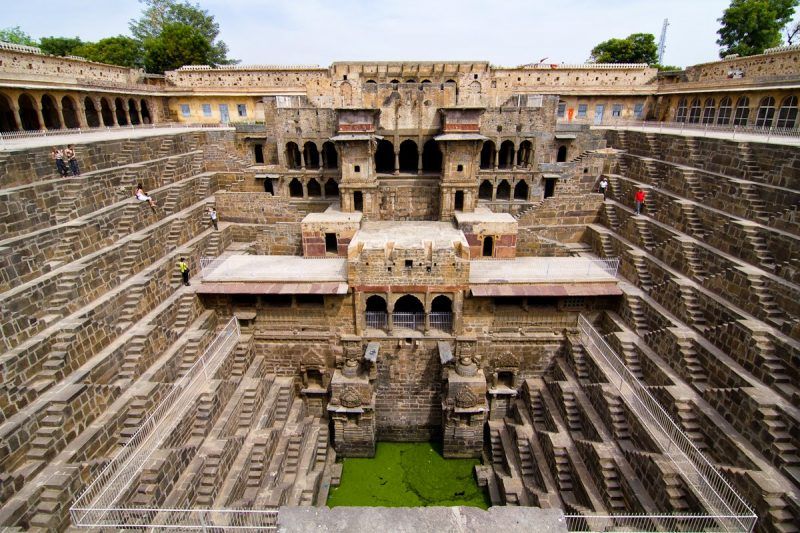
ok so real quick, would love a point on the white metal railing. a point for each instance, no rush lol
(31, 134)
(95, 507)
(209, 264)
(734, 130)
(408, 320)
(644, 522)
(727, 510)
(185, 519)
(376, 319)
(441, 320)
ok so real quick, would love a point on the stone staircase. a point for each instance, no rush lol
(693, 223)
(642, 272)
(645, 235)
(563, 470)
(759, 245)
(690, 255)
(748, 164)
(691, 426)
(131, 307)
(572, 412)
(614, 497)
(693, 312)
(691, 362)
(752, 200)
(694, 183)
(781, 447)
(611, 216)
(66, 204)
(638, 315)
(766, 301)
(619, 422)
(65, 291)
(284, 401)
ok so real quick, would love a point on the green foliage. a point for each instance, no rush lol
(177, 45)
(666, 68)
(120, 50)
(60, 46)
(635, 48)
(160, 13)
(15, 35)
(751, 26)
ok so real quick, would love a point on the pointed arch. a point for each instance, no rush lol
(50, 113)
(106, 112)
(506, 155)
(70, 112)
(409, 156)
(503, 190)
(487, 155)
(485, 190)
(314, 188)
(120, 112)
(311, 155)
(521, 190)
(8, 122)
(331, 188)
(295, 188)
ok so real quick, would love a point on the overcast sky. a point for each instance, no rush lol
(504, 32)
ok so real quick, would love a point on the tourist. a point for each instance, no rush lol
(69, 154)
(58, 156)
(212, 214)
(639, 200)
(144, 197)
(183, 266)
(603, 187)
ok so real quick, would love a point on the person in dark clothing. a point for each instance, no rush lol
(69, 155)
(58, 157)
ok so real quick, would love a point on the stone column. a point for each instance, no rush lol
(305, 189)
(17, 118)
(427, 312)
(127, 113)
(396, 163)
(113, 107)
(496, 161)
(494, 191)
(389, 312)
(303, 158)
(419, 162)
(81, 112)
(60, 110)
(40, 116)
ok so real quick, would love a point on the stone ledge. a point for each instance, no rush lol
(416, 519)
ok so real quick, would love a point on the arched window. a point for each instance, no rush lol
(146, 118)
(311, 155)
(372, 81)
(292, 155)
(331, 188)
(766, 112)
(742, 114)
(376, 312)
(709, 109)
(295, 188)
(504, 190)
(106, 113)
(49, 113)
(521, 191)
(314, 188)
(485, 190)
(92, 116)
(408, 313)
(680, 113)
(133, 112)
(441, 304)
(409, 156)
(8, 122)
(724, 115)
(459, 201)
(121, 120)
(431, 157)
(787, 116)
(487, 250)
(561, 156)
(27, 113)
(441, 316)
(384, 157)
(694, 111)
(487, 155)
(506, 155)
(330, 159)
(70, 113)
(524, 154)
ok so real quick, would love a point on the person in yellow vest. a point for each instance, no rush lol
(183, 266)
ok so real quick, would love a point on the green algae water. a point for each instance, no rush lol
(408, 474)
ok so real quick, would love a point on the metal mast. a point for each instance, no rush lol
(662, 42)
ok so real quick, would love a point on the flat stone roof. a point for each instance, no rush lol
(277, 268)
(524, 270)
(408, 234)
(482, 214)
(333, 214)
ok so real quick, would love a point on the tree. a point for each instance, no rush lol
(635, 48)
(751, 26)
(120, 50)
(177, 45)
(160, 13)
(60, 46)
(17, 36)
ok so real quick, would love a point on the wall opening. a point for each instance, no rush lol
(431, 157)
(506, 155)
(258, 153)
(549, 187)
(521, 191)
(120, 107)
(561, 156)
(459, 201)
(106, 113)
(49, 113)
(295, 188)
(292, 155)
(92, 116)
(488, 246)
(485, 190)
(358, 201)
(409, 156)
(311, 155)
(331, 246)
(133, 112)
(314, 188)
(487, 155)
(384, 157)
(8, 121)
(70, 113)
(330, 159)
(268, 186)
(331, 188)
(503, 190)
(146, 118)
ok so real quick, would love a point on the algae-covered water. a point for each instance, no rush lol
(408, 474)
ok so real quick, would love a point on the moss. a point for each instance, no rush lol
(408, 474)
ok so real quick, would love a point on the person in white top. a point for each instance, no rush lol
(212, 214)
(603, 187)
(144, 197)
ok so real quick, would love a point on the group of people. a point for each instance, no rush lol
(638, 197)
(66, 161)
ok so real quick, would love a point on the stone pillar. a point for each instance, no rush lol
(17, 118)
(81, 112)
(303, 158)
(427, 312)
(496, 161)
(463, 409)
(419, 161)
(494, 191)
(113, 107)
(396, 163)
(305, 189)
(60, 110)
(40, 116)
(389, 312)
(127, 113)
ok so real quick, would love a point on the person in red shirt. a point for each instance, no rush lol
(639, 200)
